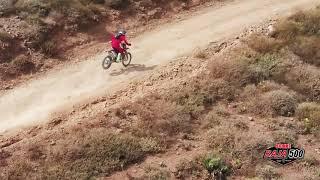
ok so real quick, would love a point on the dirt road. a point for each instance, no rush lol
(34, 102)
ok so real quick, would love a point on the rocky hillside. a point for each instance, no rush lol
(34, 30)
(191, 120)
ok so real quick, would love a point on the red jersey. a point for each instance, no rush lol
(116, 43)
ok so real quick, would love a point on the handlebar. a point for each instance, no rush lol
(124, 46)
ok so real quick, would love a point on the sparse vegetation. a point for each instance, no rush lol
(152, 173)
(189, 169)
(281, 102)
(309, 113)
(4, 36)
(49, 48)
(285, 137)
(221, 139)
(201, 54)
(98, 153)
(270, 78)
(263, 44)
(268, 172)
(53, 27)
(23, 64)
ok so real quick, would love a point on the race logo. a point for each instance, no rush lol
(283, 154)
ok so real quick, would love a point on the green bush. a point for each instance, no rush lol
(216, 166)
(264, 68)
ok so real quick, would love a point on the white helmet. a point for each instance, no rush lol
(122, 32)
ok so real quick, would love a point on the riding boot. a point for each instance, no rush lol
(118, 57)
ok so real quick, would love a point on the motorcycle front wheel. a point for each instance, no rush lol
(106, 63)
(127, 59)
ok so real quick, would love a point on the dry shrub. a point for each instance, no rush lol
(267, 86)
(4, 155)
(240, 71)
(265, 67)
(35, 152)
(310, 114)
(18, 170)
(299, 26)
(308, 49)
(118, 4)
(307, 21)
(249, 151)
(4, 36)
(201, 54)
(232, 71)
(285, 137)
(286, 31)
(221, 139)
(249, 92)
(152, 173)
(97, 153)
(189, 169)
(150, 145)
(49, 48)
(280, 102)
(267, 172)
(240, 125)
(202, 94)
(263, 44)
(23, 64)
(304, 79)
(252, 90)
(277, 102)
(8, 72)
(159, 118)
(211, 120)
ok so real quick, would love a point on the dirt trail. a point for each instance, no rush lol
(34, 102)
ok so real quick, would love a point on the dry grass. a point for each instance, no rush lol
(269, 99)
(302, 23)
(98, 153)
(305, 80)
(267, 172)
(309, 113)
(4, 36)
(280, 102)
(263, 44)
(211, 120)
(282, 136)
(221, 139)
(23, 64)
(202, 94)
(189, 169)
(201, 54)
(154, 122)
(152, 173)
(49, 48)
(308, 49)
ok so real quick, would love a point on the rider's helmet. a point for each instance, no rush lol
(120, 33)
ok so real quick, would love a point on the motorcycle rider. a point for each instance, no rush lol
(116, 42)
